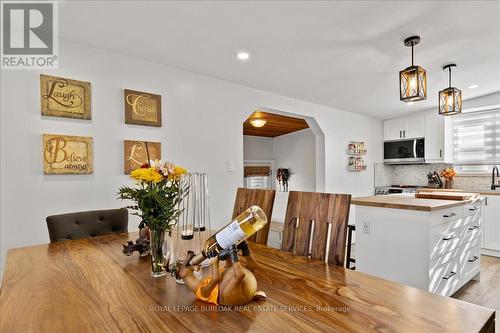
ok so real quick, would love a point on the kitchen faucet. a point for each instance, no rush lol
(493, 185)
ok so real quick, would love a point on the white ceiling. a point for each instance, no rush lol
(345, 55)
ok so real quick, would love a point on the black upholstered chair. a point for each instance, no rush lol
(87, 224)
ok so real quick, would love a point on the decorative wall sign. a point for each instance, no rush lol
(64, 97)
(135, 154)
(67, 154)
(142, 108)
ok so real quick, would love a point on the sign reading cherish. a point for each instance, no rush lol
(142, 108)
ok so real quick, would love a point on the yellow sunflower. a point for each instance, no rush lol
(149, 175)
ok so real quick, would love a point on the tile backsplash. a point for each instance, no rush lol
(415, 174)
(472, 183)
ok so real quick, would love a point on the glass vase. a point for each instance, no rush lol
(158, 265)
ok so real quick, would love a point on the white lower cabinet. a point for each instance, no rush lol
(438, 251)
(491, 232)
(460, 260)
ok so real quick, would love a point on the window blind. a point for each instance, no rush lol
(476, 138)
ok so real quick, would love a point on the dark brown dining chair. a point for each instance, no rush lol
(245, 198)
(316, 225)
(87, 224)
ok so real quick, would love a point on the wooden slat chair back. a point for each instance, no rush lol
(316, 225)
(245, 198)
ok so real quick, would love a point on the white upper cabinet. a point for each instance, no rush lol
(414, 127)
(404, 128)
(438, 138)
(392, 129)
(434, 128)
(434, 137)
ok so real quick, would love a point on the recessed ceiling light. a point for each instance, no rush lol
(258, 122)
(473, 86)
(410, 103)
(243, 56)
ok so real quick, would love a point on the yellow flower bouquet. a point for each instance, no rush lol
(156, 201)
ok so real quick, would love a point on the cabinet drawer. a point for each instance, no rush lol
(470, 260)
(444, 278)
(472, 209)
(471, 230)
(444, 238)
(446, 215)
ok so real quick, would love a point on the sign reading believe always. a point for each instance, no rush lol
(65, 154)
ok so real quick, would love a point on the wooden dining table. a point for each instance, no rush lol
(88, 285)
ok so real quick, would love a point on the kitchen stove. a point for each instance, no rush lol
(383, 190)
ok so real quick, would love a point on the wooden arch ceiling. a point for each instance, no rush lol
(276, 125)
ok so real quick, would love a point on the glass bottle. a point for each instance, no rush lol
(240, 228)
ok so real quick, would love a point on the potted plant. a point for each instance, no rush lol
(156, 197)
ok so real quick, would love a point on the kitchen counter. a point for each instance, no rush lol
(488, 192)
(407, 201)
(480, 191)
(431, 244)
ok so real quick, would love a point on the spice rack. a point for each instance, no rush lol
(356, 149)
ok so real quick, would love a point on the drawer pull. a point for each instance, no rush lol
(473, 259)
(450, 237)
(474, 209)
(473, 228)
(449, 215)
(446, 277)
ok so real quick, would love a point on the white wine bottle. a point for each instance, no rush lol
(240, 228)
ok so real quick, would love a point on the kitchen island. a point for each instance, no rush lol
(430, 244)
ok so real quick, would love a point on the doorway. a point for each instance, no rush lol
(284, 152)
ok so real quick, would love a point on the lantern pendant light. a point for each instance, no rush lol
(450, 99)
(413, 79)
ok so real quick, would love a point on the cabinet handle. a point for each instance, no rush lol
(446, 277)
(404, 134)
(474, 209)
(400, 134)
(450, 237)
(474, 227)
(449, 215)
(440, 153)
(473, 259)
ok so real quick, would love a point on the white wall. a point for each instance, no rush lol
(297, 152)
(202, 130)
(257, 148)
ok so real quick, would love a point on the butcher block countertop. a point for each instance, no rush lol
(407, 201)
(480, 191)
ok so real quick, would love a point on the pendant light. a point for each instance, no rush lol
(413, 79)
(450, 99)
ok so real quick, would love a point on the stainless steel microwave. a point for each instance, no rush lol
(408, 151)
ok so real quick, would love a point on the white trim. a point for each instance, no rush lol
(482, 108)
(489, 252)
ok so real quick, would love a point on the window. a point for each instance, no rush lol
(476, 140)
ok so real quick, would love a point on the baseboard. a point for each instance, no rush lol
(489, 252)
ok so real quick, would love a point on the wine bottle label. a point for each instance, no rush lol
(232, 234)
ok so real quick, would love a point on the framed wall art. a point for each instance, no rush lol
(135, 154)
(142, 108)
(62, 97)
(65, 154)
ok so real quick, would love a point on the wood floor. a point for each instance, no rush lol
(487, 291)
